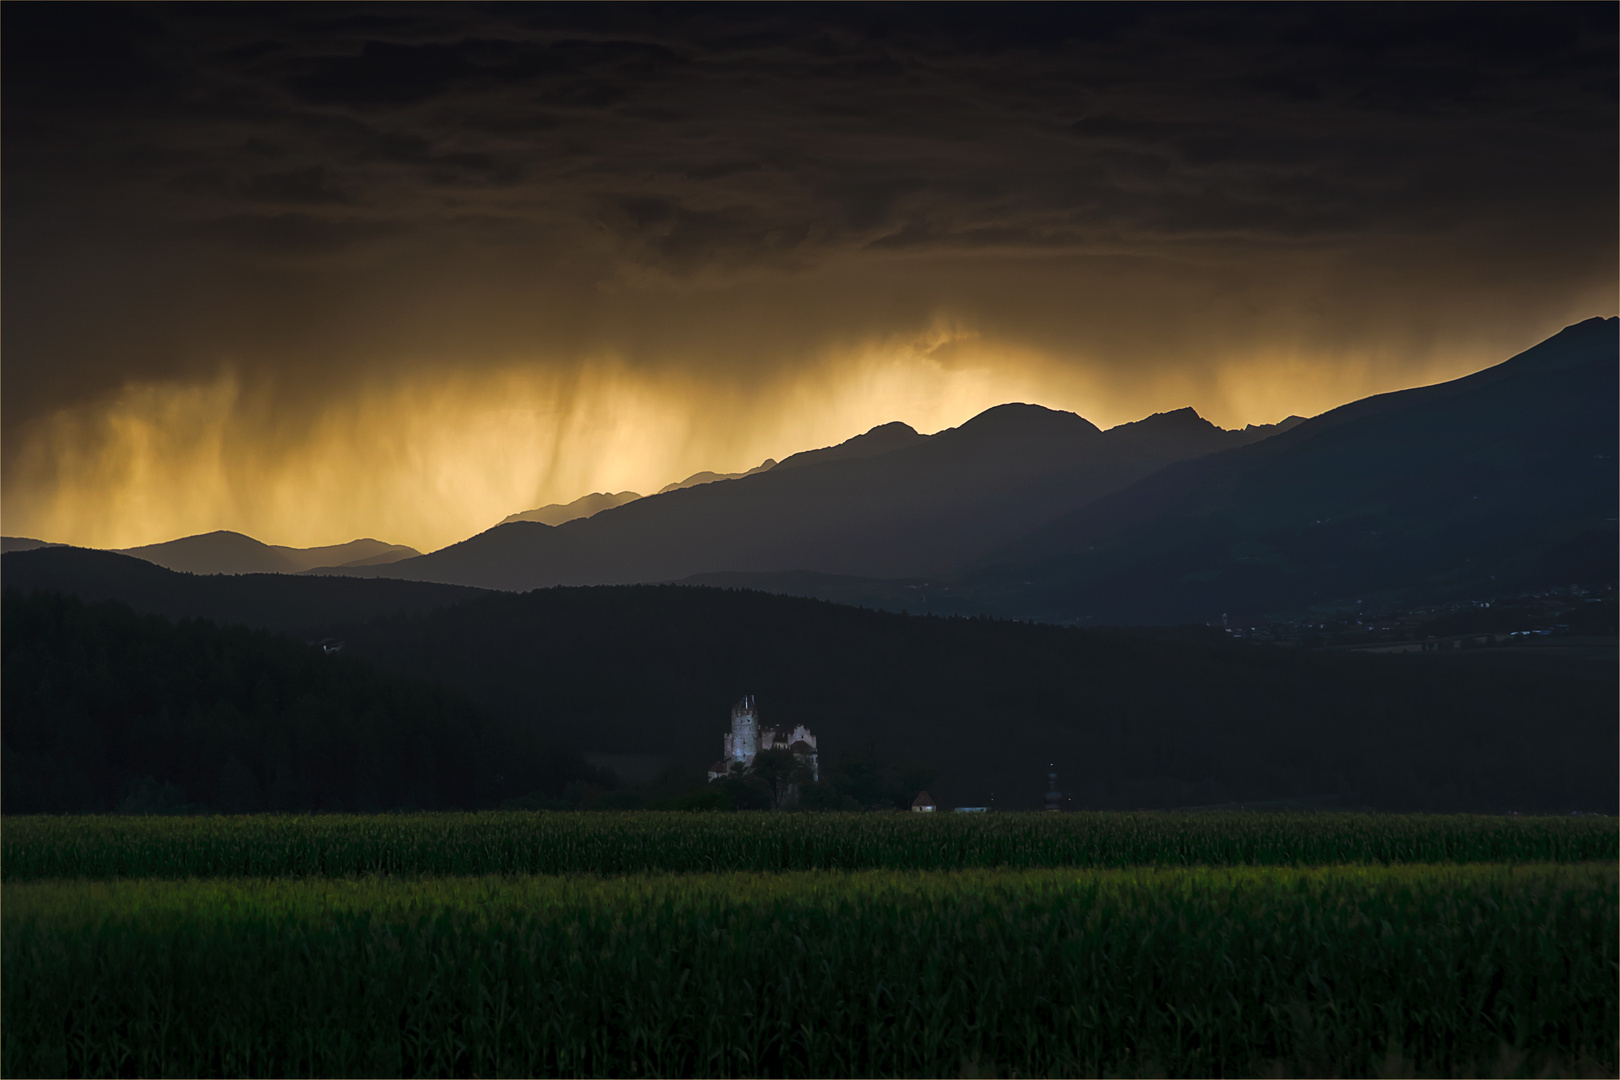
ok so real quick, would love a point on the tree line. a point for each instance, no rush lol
(109, 710)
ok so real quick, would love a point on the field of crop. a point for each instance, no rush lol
(808, 944)
(33, 848)
(1408, 970)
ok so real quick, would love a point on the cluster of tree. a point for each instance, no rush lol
(777, 781)
(108, 710)
(861, 781)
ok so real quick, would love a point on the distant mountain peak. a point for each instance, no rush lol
(1174, 419)
(1187, 420)
(1574, 344)
(583, 507)
(895, 435)
(1022, 418)
(707, 477)
(24, 543)
(217, 536)
(890, 430)
(887, 503)
(1014, 409)
(224, 551)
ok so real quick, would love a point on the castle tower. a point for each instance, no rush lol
(747, 738)
(744, 730)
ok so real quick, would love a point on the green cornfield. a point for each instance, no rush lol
(1359, 971)
(808, 944)
(507, 843)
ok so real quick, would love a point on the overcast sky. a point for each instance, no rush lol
(317, 271)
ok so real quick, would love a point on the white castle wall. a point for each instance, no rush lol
(746, 739)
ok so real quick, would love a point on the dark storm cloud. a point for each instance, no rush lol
(295, 234)
(313, 193)
(787, 129)
(311, 186)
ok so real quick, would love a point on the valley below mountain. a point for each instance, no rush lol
(1451, 524)
(983, 708)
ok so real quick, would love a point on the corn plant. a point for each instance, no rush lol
(33, 848)
(1417, 970)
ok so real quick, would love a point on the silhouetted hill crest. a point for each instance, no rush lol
(1020, 420)
(269, 601)
(919, 508)
(1173, 419)
(894, 435)
(22, 543)
(226, 552)
(1504, 479)
(698, 479)
(583, 507)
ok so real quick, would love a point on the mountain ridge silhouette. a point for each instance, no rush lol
(1500, 481)
(919, 504)
(224, 551)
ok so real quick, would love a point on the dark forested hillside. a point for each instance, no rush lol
(294, 604)
(1127, 720)
(106, 709)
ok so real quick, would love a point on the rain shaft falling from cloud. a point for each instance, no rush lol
(315, 272)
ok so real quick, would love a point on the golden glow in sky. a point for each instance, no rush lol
(315, 275)
(431, 459)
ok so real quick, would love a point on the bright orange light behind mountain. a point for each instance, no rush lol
(431, 459)
(315, 274)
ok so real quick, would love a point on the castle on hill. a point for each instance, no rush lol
(747, 739)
